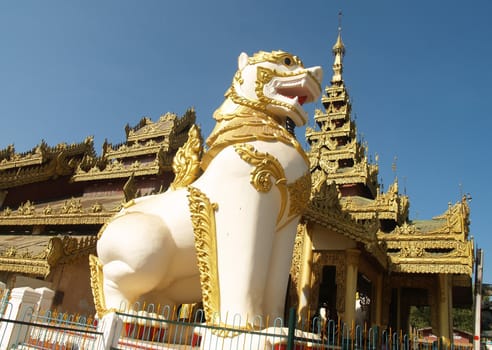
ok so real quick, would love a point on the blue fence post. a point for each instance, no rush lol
(374, 339)
(292, 329)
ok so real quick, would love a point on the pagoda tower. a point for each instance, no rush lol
(335, 154)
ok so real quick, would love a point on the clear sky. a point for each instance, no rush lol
(418, 73)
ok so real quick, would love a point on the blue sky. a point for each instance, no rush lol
(418, 73)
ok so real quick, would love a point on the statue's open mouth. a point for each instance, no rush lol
(297, 91)
(289, 91)
(300, 99)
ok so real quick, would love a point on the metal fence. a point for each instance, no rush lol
(50, 330)
(22, 326)
(155, 328)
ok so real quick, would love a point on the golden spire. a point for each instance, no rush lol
(338, 51)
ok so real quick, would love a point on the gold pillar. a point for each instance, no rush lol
(352, 256)
(304, 286)
(378, 302)
(444, 303)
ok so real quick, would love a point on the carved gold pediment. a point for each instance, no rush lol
(36, 255)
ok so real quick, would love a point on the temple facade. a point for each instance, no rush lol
(357, 252)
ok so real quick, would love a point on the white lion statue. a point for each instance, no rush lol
(224, 231)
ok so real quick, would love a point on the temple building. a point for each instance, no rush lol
(357, 250)
(54, 200)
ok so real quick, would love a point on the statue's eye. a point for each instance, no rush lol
(287, 61)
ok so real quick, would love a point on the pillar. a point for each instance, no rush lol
(304, 286)
(110, 326)
(444, 304)
(45, 300)
(378, 302)
(352, 256)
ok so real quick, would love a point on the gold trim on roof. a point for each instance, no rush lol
(324, 209)
(43, 163)
(119, 169)
(71, 212)
(389, 205)
(9, 159)
(439, 245)
(148, 150)
(168, 124)
(125, 150)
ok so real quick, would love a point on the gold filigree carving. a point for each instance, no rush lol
(186, 162)
(405, 229)
(27, 266)
(276, 57)
(97, 286)
(72, 206)
(26, 208)
(299, 193)
(130, 189)
(297, 258)
(56, 251)
(245, 125)
(265, 167)
(97, 207)
(203, 220)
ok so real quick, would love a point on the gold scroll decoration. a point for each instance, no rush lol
(204, 229)
(265, 167)
(186, 162)
(97, 285)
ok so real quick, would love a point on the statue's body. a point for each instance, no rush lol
(227, 236)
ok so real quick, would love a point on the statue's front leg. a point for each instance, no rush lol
(278, 271)
(245, 234)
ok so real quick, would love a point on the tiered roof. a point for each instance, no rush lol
(335, 154)
(41, 163)
(347, 198)
(148, 150)
(440, 245)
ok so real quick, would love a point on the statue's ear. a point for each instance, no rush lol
(242, 60)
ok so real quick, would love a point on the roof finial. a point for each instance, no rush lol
(338, 50)
(339, 21)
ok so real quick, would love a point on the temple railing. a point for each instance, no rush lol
(24, 326)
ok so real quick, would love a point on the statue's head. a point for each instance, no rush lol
(276, 83)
